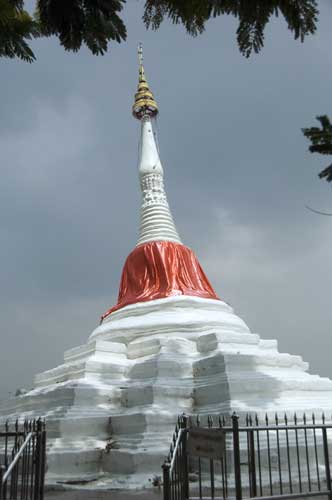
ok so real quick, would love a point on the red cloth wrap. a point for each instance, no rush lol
(160, 269)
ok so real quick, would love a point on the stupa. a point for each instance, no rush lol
(168, 346)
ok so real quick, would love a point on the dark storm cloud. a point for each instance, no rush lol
(237, 173)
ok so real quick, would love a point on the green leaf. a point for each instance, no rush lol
(321, 142)
(16, 28)
(253, 16)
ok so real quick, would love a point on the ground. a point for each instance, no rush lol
(103, 495)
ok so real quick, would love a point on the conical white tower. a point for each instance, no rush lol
(160, 266)
(156, 218)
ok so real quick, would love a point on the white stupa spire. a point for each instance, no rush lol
(156, 219)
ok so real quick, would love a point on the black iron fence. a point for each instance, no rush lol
(270, 459)
(22, 461)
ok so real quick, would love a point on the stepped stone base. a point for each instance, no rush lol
(112, 405)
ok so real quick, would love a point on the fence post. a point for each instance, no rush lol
(327, 460)
(237, 458)
(43, 459)
(185, 458)
(166, 481)
(1, 474)
(37, 460)
(252, 465)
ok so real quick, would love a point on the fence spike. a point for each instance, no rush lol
(286, 418)
(304, 419)
(295, 419)
(276, 418)
(323, 418)
(223, 421)
(39, 424)
(313, 418)
(256, 419)
(266, 419)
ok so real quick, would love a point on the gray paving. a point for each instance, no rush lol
(104, 495)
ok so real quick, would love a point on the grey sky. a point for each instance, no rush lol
(238, 176)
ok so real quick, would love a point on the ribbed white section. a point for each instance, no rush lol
(156, 218)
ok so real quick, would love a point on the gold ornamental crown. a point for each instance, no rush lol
(145, 104)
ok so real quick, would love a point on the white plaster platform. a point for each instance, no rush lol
(112, 405)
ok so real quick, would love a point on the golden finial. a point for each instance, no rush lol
(145, 104)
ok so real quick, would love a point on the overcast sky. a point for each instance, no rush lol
(238, 177)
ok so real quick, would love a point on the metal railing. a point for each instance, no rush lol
(270, 459)
(22, 461)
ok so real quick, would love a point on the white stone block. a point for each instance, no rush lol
(206, 343)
